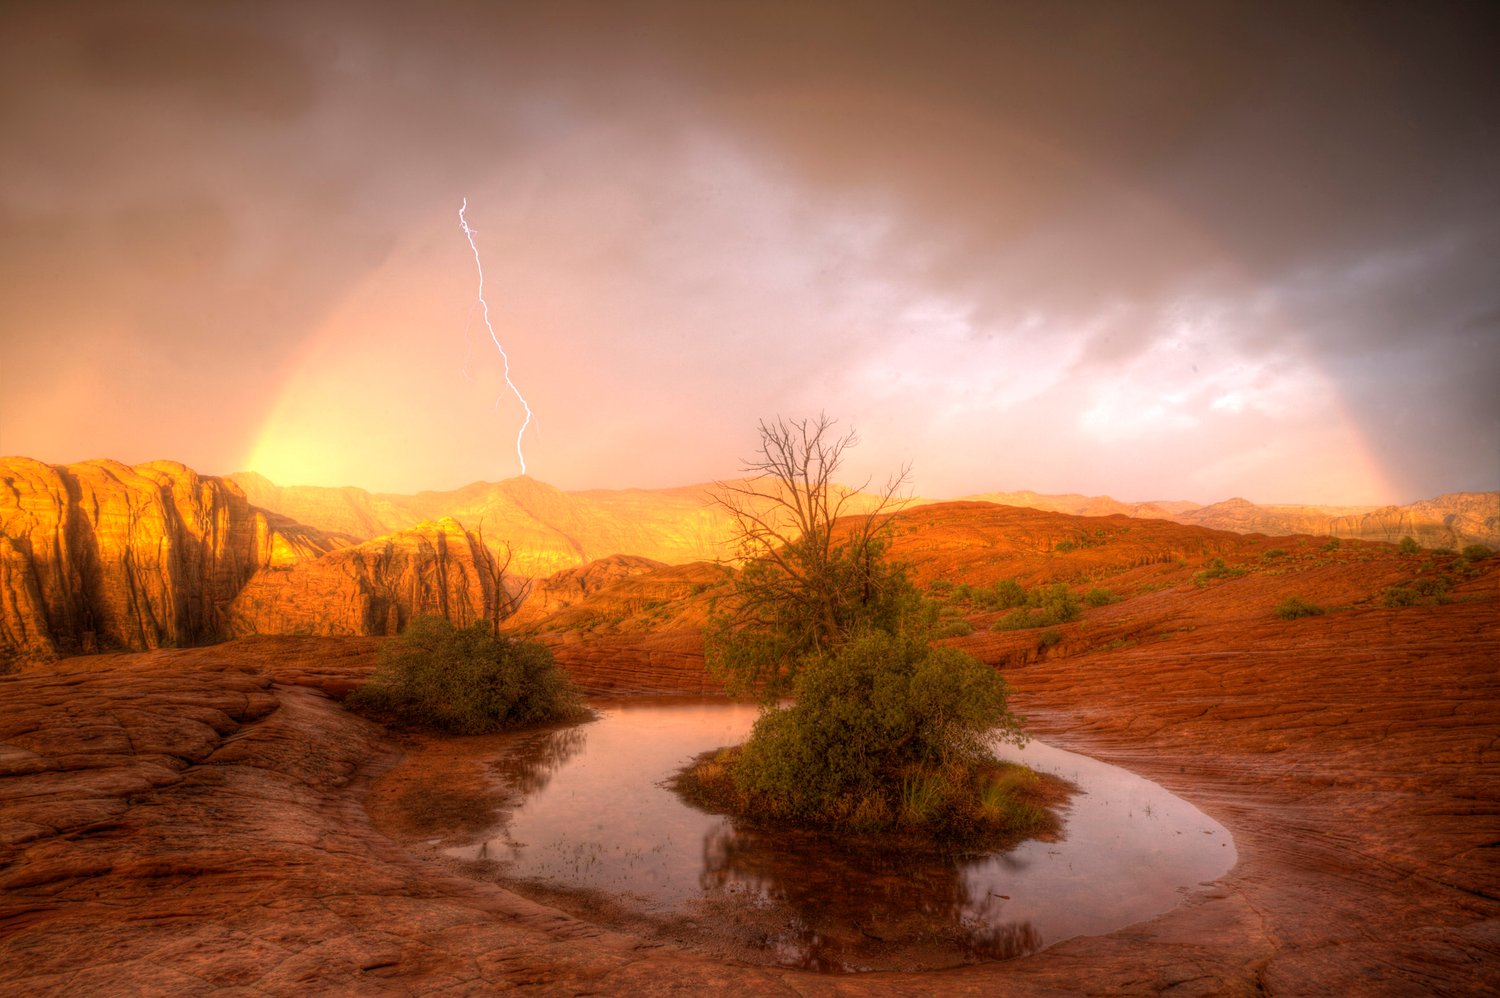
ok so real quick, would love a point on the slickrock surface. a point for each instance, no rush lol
(194, 821)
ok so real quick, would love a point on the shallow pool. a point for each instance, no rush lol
(594, 825)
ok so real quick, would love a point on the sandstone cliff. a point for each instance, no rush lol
(101, 555)
(374, 588)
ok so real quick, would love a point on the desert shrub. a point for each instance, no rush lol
(1098, 596)
(1273, 554)
(940, 588)
(1400, 596)
(1216, 569)
(1048, 639)
(954, 629)
(1295, 606)
(1332, 545)
(888, 733)
(464, 681)
(1409, 546)
(1044, 607)
(1477, 552)
(1063, 547)
(1006, 594)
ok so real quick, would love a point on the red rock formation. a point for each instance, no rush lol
(375, 587)
(102, 555)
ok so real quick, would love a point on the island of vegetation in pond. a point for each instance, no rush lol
(887, 732)
(888, 735)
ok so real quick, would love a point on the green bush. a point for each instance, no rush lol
(1006, 594)
(1409, 546)
(464, 681)
(1295, 606)
(954, 629)
(1044, 607)
(1400, 596)
(1332, 545)
(888, 733)
(1273, 554)
(1048, 639)
(1098, 596)
(1216, 569)
(1477, 552)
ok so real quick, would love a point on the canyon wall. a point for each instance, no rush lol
(102, 555)
(373, 588)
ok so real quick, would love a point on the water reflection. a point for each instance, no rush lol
(531, 760)
(844, 905)
(595, 830)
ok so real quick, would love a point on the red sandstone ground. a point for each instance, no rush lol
(201, 820)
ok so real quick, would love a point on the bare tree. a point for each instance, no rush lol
(502, 602)
(813, 556)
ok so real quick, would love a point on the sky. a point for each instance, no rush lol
(1146, 249)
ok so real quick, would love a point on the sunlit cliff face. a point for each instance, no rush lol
(1068, 250)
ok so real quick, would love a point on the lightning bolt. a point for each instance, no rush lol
(504, 357)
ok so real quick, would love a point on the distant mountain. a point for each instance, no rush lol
(1453, 520)
(100, 555)
(548, 530)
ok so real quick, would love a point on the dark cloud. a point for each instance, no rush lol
(1320, 178)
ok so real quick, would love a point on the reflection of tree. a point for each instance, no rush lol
(840, 905)
(531, 760)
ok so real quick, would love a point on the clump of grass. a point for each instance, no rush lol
(1273, 554)
(1421, 591)
(1099, 596)
(1216, 569)
(1295, 606)
(464, 681)
(1477, 552)
(1332, 545)
(954, 629)
(1045, 606)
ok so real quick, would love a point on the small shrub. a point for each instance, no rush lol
(1477, 552)
(1274, 553)
(1006, 594)
(1295, 606)
(1098, 596)
(1216, 569)
(1063, 547)
(1400, 596)
(954, 629)
(1332, 545)
(1409, 546)
(1048, 639)
(1045, 606)
(940, 588)
(464, 681)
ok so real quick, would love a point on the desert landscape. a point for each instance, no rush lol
(191, 799)
(822, 498)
